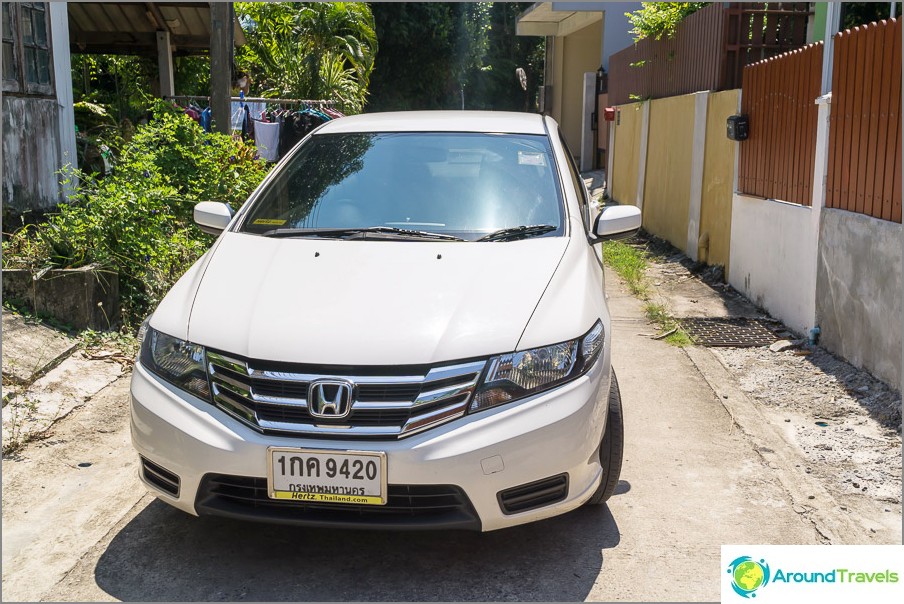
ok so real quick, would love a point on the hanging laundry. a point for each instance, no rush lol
(266, 137)
(205, 119)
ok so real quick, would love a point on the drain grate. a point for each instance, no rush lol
(736, 332)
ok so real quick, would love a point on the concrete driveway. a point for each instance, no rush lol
(692, 480)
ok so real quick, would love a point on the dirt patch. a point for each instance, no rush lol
(846, 422)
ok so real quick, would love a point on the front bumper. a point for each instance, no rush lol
(554, 433)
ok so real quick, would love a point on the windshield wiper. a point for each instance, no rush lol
(359, 233)
(518, 232)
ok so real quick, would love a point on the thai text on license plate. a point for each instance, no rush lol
(357, 477)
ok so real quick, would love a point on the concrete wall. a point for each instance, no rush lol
(718, 177)
(626, 153)
(666, 196)
(859, 291)
(580, 53)
(773, 258)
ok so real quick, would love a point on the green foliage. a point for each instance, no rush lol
(494, 84)
(191, 75)
(138, 221)
(658, 19)
(309, 50)
(468, 47)
(119, 82)
(861, 13)
(415, 66)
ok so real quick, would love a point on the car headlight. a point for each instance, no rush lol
(178, 362)
(521, 374)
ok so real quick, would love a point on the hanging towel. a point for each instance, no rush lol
(266, 137)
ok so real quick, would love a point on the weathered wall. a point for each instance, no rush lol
(773, 256)
(859, 291)
(626, 153)
(666, 196)
(718, 177)
(82, 298)
(580, 54)
(31, 153)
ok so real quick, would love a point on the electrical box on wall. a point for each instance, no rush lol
(738, 127)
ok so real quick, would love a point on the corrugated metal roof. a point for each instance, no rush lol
(130, 27)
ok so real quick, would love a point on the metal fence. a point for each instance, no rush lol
(864, 172)
(708, 51)
(778, 96)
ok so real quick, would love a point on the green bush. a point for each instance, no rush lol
(138, 221)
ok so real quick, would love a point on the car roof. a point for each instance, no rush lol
(438, 121)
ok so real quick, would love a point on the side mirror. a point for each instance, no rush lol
(617, 222)
(212, 216)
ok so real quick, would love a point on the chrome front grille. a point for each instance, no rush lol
(272, 399)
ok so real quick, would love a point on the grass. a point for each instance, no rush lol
(631, 265)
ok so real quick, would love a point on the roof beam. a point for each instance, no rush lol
(158, 17)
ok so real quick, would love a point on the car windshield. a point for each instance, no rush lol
(413, 185)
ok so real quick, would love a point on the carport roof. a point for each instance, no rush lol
(558, 18)
(131, 27)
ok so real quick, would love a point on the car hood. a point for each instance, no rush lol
(372, 302)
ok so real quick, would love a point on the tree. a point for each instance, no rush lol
(861, 13)
(416, 64)
(309, 49)
(462, 49)
(657, 19)
(494, 85)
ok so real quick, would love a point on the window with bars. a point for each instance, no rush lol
(27, 58)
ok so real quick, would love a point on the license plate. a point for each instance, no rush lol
(357, 477)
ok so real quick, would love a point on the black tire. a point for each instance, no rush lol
(611, 448)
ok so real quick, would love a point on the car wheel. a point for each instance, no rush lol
(612, 447)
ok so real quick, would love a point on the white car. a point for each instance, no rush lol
(404, 327)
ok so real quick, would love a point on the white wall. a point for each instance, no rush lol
(773, 258)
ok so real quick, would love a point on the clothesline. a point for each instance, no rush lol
(274, 131)
(255, 99)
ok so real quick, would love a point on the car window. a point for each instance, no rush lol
(578, 183)
(462, 184)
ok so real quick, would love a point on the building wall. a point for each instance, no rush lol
(31, 153)
(626, 153)
(666, 196)
(858, 291)
(39, 132)
(617, 29)
(773, 258)
(580, 54)
(718, 177)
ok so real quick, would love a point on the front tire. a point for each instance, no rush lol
(612, 447)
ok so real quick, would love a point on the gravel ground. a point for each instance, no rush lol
(847, 422)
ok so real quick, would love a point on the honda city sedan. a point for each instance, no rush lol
(404, 327)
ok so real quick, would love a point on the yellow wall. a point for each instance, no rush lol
(580, 54)
(718, 177)
(626, 154)
(666, 197)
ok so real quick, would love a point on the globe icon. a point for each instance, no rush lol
(748, 575)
